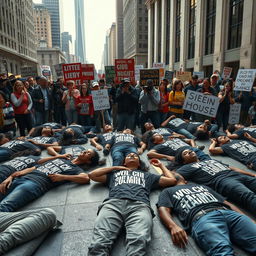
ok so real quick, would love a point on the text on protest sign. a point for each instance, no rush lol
(158, 65)
(200, 103)
(72, 71)
(45, 70)
(58, 70)
(226, 72)
(200, 74)
(169, 75)
(183, 75)
(152, 74)
(125, 69)
(234, 113)
(110, 74)
(28, 71)
(100, 99)
(137, 72)
(245, 79)
(87, 72)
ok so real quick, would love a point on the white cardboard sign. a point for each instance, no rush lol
(200, 103)
(244, 80)
(226, 72)
(100, 99)
(234, 113)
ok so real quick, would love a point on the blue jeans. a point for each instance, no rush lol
(41, 117)
(186, 133)
(21, 192)
(217, 230)
(5, 154)
(119, 152)
(125, 120)
(71, 115)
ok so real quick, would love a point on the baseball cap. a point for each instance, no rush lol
(94, 84)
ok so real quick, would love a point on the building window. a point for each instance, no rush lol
(168, 27)
(235, 23)
(192, 29)
(210, 26)
(177, 31)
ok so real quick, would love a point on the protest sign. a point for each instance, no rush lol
(110, 74)
(100, 99)
(137, 72)
(124, 68)
(158, 65)
(58, 70)
(28, 71)
(200, 103)
(245, 79)
(234, 113)
(169, 75)
(45, 71)
(152, 74)
(226, 72)
(183, 75)
(161, 73)
(72, 71)
(200, 74)
(87, 72)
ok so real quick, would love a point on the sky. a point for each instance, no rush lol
(99, 16)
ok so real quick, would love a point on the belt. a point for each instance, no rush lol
(201, 213)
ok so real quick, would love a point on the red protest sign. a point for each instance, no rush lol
(87, 72)
(124, 68)
(72, 71)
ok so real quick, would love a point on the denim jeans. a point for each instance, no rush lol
(41, 117)
(116, 213)
(186, 133)
(153, 116)
(5, 154)
(217, 230)
(125, 120)
(21, 192)
(71, 115)
(119, 152)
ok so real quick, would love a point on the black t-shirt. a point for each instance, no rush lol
(43, 140)
(163, 131)
(56, 166)
(250, 130)
(134, 185)
(105, 138)
(240, 150)
(73, 150)
(17, 164)
(122, 138)
(53, 125)
(15, 146)
(192, 126)
(208, 172)
(77, 126)
(79, 136)
(170, 147)
(176, 124)
(187, 200)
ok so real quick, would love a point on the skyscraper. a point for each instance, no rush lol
(54, 10)
(80, 37)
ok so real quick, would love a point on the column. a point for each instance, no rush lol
(156, 32)
(200, 36)
(150, 36)
(184, 33)
(163, 35)
(172, 35)
(248, 36)
(221, 34)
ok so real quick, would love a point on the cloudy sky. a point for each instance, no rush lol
(99, 15)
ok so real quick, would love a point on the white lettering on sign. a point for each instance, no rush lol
(100, 99)
(202, 104)
(71, 68)
(234, 113)
(245, 79)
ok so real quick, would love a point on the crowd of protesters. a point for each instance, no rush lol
(60, 117)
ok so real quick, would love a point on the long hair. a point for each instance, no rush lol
(38, 131)
(81, 90)
(174, 87)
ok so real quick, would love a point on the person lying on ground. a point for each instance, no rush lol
(240, 150)
(55, 128)
(20, 227)
(166, 149)
(101, 140)
(214, 223)
(25, 186)
(72, 150)
(240, 132)
(127, 206)
(192, 130)
(122, 144)
(235, 184)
